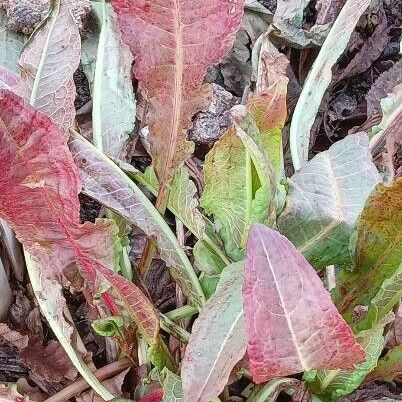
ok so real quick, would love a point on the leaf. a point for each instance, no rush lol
(194, 36)
(52, 305)
(291, 322)
(172, 387)
(239, 183)
(9, 393)
(108, 326)
(113, 111)
(14, 338)
(326, 197)
(319, 79)
(271, 390)
(6, 295)
(389, 367)
(335, 384)
(40, 202)
(48, 62)
(383, 302)
(12, 82)
(11, 45)
(378, 254)
(217, 341)
(105, 182)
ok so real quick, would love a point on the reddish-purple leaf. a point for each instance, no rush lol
(174, 42)
(39, 200)
(291, 323)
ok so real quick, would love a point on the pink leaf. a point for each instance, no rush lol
(291, 323)
(174, 42)
(39, 200)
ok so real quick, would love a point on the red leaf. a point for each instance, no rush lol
(291, 323)
(174, 42)
(39, 200)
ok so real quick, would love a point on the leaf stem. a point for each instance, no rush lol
(173, 329)
(181, 313)
(81, 385)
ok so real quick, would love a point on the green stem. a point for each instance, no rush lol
(173, 329)
(181, 313)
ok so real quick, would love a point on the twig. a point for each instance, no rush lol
(81, 385)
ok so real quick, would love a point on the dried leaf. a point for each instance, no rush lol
(370, 51)
(378, 252)
(291, 322)
(105, 182)
(113, 111)
(325, 198)
(14, 338)
(50, 363)
(271, 390)
(194, 36)
(48, 63)
(319, 78)
(382, 86)
(217, 341)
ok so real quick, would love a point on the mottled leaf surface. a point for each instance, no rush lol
(319, 78)
(174, 42)
(113, 109)
(325, 199)
(217, 340)
(291, 322)
(105, 182)
(239, 182)
(389, 367)
(48, 63)
(337, 383)
(39, 198)
(378, 253)
(172, 387)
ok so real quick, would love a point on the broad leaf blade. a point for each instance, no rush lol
(239, 183)
(217, 341)
(172, 387)
(39, 199)
(48, 63)
(326, 197)
(105, 182)
(337, 383)
(319, 78)
(291, 322)
(113, 109)
(194, 36)
(378, 252)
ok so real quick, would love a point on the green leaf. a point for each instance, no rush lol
(378, 254)
(383, 302)
(183, 203)
(238, 183)
(217, 341)
(171, 384)
(108, 326)
(11, 45)
(319, 78)
(206, 259)
(389, 367)
(105, 182)
(159, 355)
(209, 284)
(113, 111)
(336, 383)
(325, 198)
